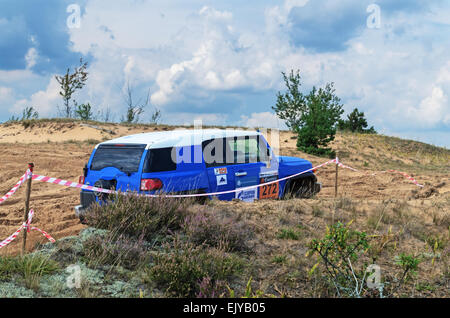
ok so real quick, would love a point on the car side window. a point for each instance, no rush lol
(159, 160)
(234, 150)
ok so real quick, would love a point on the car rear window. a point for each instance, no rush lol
(126, 158)
(158, 160)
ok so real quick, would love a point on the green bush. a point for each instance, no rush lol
(339, 251)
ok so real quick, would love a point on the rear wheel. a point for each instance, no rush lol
(300, 188)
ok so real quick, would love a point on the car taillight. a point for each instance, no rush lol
(81, 180)
(151, 184)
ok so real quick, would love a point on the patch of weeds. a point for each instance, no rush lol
(139, 217)
(344, 203)
(92, 141)
(182, 268)
(209, 288)
(279, 259)
(425, 286)
(121, 251)
(317, 211)
(288, 234)
(436, 243)
(210, 229)
(409, 264)
(30, 268)
(249, 293)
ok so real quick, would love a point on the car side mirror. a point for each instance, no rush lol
(85, 170)
(269, 158)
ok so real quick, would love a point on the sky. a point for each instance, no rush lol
(221, 61)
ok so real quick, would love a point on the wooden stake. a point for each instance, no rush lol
(27, 207)
(336, 180)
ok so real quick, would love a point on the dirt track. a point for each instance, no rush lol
(58, 155)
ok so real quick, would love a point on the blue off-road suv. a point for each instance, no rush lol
(195, 161)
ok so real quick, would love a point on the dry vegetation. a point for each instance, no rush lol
(397, 216)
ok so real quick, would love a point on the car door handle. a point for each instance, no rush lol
(240, 174)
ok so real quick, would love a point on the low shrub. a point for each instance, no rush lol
(211, 229)
(139, 217)
(121, 251)
(209, 288)
(186, 270)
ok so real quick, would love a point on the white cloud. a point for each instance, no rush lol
(204, 57)
(44, 101)
(6, 93)
(262, 120)
(31, 57)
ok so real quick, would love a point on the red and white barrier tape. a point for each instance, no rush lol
(403, 174)
(71, 184)
(87, 187)
(26, 225)
(16, 187)
(96, 189)
(386, 171)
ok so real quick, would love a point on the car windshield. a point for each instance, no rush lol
(126, 158)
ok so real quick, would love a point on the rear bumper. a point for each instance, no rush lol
(80, 211)
(86, 199)
(317, 187)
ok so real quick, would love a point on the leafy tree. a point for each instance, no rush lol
(355, 122)
(84, 111)
(70, 83)
(313, 116)
(291, 105)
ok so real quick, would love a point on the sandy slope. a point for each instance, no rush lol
(60, 150)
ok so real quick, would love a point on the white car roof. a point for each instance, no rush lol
(179, 137)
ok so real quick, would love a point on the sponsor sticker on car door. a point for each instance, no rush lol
(269, 191)
(221, 179)
(248, 195)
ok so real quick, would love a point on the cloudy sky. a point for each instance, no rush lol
(221, 61)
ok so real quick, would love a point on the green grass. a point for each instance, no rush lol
(288, 234)
(29, 267)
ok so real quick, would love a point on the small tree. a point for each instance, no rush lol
(313, 117)
(339, 251)
(134, 110)
(70, 83)
(355, 122)
(291, 105)
(156, 116)
(29, 113)
(84, 111)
